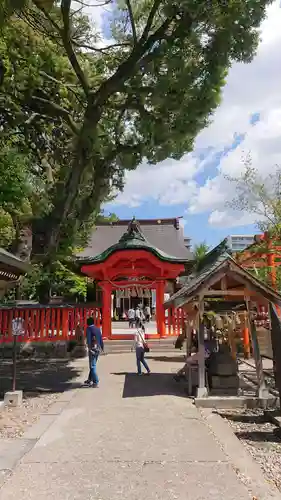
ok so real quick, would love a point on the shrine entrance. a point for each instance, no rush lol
(132, 274)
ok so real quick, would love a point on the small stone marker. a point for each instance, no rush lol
(13, 398)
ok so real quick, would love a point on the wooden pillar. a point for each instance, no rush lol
(271, 261)
(262, 391)
(246, 335)
(231, 337)
(160, 311)
(202, 390)
(106, 309)
(276, 345)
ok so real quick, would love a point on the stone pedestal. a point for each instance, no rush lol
(13, 398)
(201, 392)
(80, 350)
(223, 373)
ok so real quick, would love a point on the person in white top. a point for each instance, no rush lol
(147, 313)
(139, 345)
(131, 317)
(138, 317)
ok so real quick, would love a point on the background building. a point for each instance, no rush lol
(187, 242)
(238, 242)
(165, 234)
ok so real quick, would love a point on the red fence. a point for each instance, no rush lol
(59, 322)
(175, 321)
(46, 323)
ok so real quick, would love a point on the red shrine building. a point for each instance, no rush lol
(135, 264)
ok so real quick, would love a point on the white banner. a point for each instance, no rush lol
(17, 326)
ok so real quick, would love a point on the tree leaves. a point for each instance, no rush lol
(259, 195)
(44, 4)
(91, 112)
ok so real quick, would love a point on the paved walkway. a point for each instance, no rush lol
(134, 438)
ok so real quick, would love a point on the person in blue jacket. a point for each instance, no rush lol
(95, 347)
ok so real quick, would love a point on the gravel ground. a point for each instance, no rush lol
(15, 421)
(260, 439)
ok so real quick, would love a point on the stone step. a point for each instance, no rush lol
(123, 346)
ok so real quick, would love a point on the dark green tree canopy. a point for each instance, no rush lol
(86, 113)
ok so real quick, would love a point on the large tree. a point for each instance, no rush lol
(102, 110)
(258, 195)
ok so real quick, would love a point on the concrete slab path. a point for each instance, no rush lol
(134, 438)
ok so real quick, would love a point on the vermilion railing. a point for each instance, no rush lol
(59, 322)
(175, 321)
(46, 323)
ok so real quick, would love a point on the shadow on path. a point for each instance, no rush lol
(245, 418)
(170, 359)
(156, 384)
(259, 436)
(35, 377)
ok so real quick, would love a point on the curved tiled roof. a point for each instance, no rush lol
(133, 239)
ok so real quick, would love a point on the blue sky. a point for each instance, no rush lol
(248, 121)
(196, 226)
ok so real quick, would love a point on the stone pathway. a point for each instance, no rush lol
(134, 438)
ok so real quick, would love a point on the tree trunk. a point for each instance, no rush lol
(22, 247)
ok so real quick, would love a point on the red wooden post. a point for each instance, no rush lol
(160, 312)
(173, 321)
(42, 323)
(58, 325)
(106, 309)
(65, 323)
(169, 320)
(53, 325)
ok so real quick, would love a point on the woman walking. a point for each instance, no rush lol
(140, 346)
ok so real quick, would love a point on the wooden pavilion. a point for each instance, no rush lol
(220, 279)
(11, 269)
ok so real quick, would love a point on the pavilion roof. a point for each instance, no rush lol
(218, 262)
(132, 239)
(11, 267)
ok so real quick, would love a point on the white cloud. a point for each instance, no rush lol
(251, 88)
(230, 219)
(168, 182)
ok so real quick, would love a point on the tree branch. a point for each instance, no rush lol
(100, 49)
(125, 69)
(56, 111)
(66, 37)
(68, 86)
(132, 21)
(150, 20)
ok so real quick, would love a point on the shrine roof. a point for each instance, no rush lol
(216, 262)
(11, 266)
(133, 239)
(165, 235)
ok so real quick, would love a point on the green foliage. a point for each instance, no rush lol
(7, 229)
(263, 274)
(259, 195)
(15, 181)
(82, 115)
(43, 282)
(200, 251)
